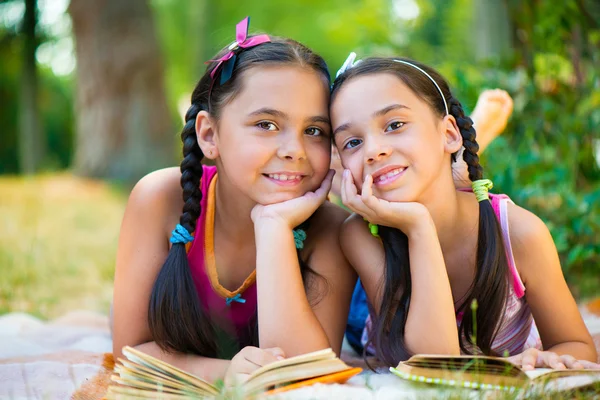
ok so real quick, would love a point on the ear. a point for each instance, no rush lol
(453, 141)
(206, 135)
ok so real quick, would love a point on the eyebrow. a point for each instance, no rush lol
(270, 111)
(378, 113)
(281, 114)
(389, 108)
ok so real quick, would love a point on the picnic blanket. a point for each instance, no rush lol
(69, 358)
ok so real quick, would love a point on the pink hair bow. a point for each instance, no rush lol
(241, 40)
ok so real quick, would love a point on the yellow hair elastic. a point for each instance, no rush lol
(480, 188)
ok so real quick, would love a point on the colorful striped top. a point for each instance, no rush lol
(517, 331)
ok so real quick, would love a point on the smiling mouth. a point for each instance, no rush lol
(285, 179)
(389, 176)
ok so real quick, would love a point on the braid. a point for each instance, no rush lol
(191, 171)
(490, 286)
(465, 124)
(174, 291)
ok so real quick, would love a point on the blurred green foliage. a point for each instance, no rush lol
(545, 53)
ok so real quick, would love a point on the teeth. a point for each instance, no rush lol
(389, 174)
(283, 177)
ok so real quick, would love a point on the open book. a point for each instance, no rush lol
(144, 376)
(482, 372)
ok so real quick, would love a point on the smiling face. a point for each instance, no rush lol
(274, 138)
(382, 128)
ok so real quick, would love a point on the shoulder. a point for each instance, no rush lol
(363, 250)
(159, 195)
(532, 244)
(324, 231)
(325, 256)
(328, 219)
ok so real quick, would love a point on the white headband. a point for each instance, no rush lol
(349, 63)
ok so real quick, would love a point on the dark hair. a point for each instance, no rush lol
(490, 285)
(174, 292)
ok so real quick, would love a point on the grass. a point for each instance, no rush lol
(58, 241)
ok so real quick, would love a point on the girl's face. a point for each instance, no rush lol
(382, 128)
(274, 138)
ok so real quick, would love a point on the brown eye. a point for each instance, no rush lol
(314, 131)
(267, 126)
(394, 126)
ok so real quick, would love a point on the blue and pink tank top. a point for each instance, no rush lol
(517, 331)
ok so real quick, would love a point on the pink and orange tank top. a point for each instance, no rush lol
(232, 312)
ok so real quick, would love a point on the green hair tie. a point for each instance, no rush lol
(373, 228)
(481, 187)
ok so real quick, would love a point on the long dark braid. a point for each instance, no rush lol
(490, 285)
(174, 292)
(176, 317)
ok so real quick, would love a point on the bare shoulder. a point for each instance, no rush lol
(361, 248)
(355, 231)
(157, 186)
(328, 219)
(323, 246)
(159, 195)
(532, 244)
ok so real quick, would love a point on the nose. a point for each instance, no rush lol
(376, 150)
(291, 147)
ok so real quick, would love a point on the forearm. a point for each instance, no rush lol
(579, 350)
(285, 317)
(431, 323)
(209, 369)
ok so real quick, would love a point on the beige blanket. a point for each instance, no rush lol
(51, 360)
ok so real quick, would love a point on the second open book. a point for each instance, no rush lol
(482, 372)
(144, 376)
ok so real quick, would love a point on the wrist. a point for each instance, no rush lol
(423, 227)
(270, 224)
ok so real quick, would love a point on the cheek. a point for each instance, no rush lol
(353, 162)
(319, 156)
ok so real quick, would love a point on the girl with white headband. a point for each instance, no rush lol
(445, 271)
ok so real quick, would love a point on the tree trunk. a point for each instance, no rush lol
(31, 140)
(124, 128)
(493, 30)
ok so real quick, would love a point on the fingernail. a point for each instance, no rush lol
(280, 358)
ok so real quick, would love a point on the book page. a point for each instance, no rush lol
(292, 373)
(471, 364)
(301, 359)
(162, 367)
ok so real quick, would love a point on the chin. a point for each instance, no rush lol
(399, 195)
(273, 198)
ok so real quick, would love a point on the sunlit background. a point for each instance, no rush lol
(92, 95)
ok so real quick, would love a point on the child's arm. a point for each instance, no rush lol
(142, 250)
(430, 326)
(554, 310)
(296, 319)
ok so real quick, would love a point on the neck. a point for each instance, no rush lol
(232, 212)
